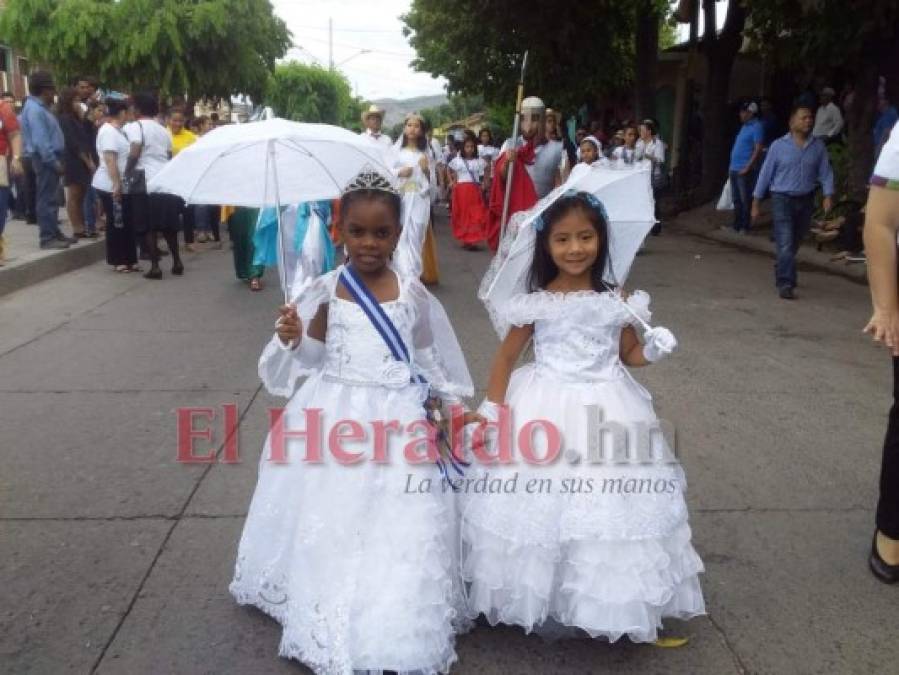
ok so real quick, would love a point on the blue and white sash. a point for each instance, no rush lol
(394, 341)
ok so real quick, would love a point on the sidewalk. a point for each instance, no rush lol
(705, 221)
(27, 264)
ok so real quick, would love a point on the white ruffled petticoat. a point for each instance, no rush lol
(614, 558)
(361, 574)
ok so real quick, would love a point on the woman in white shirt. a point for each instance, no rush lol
(469, 211)
(881, 232)
(151, 148)
(113, 148)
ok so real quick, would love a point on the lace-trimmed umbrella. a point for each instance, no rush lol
(626, 195)
(270, 163)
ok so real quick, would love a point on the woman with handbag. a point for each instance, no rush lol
(113, 148)
(151, 148)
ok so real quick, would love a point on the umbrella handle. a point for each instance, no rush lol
(282, 257)
(646, 326)
(630, 310)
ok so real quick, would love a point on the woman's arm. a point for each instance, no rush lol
(112, 167)
(88, 160)
(505, 360)
(881, 226)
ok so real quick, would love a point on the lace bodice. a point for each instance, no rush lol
(354, 351)
(577, 335)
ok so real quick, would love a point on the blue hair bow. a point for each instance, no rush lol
(589, 199)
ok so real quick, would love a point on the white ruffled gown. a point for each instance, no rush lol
(416, 216)
(361, 575)
(611, 560)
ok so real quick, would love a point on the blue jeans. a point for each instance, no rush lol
(4, 205)
(46, 207)
(90, 210)
(792, 218)
(741, 188)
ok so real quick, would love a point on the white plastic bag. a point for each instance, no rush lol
(726, 200)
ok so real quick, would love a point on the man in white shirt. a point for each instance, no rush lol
(828, 118)
(373, 118)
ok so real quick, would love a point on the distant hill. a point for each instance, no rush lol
(395, 110)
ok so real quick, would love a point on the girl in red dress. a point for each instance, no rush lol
(469, 210)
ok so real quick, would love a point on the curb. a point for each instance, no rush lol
(808, 256)
(17, 277)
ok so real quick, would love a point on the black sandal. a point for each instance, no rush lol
(888, 574)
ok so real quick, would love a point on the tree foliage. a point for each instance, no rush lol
(826, 39)
(477, 46)
(193, 47)
(821, 34)
(310, 93)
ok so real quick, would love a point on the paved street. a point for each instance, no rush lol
(116, 558)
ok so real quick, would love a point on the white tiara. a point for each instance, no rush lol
(370, 178)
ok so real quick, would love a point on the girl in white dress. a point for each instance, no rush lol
(577, 544)
(413, 172)
(361, 573)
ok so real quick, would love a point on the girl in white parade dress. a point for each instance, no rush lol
(596, 546)
(361, 573)
(413, 173)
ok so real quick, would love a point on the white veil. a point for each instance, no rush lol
(627, 197)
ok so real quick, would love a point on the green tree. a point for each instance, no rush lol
(192, 47)
(856, 41)
(648, 22)
(576, 52)
(310, 93)
(720, 48)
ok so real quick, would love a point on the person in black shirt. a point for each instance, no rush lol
(78, 159)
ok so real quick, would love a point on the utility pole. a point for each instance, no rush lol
(331, 43)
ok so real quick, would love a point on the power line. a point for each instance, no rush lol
(407, 55)
(352, 30)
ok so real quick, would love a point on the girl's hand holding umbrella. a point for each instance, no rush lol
(288, 325)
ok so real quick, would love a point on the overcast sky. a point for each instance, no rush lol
(384, 71)
(359, 24)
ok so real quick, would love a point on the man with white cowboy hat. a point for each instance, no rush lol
(373, 118)
(828, 118)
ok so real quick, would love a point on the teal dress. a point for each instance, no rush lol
(241, 228)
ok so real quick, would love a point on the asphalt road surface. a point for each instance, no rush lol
(116, 558)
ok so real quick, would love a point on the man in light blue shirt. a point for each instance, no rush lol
(795, 164)
(44, 145)
(745, 157)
